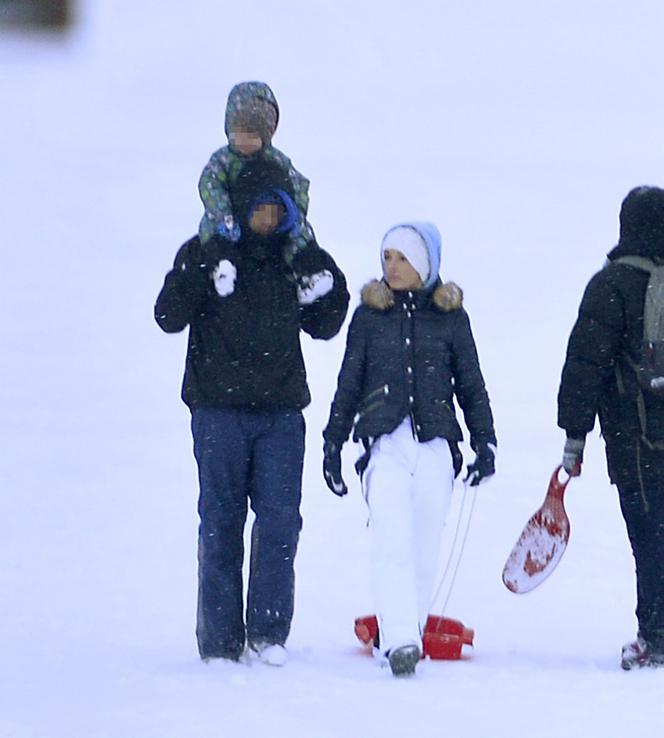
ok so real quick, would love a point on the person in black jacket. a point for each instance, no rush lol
(410, 352)
(599, 379)
(245, 384)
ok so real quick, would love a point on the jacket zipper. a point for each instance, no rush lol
(447, 407)
(384, 391)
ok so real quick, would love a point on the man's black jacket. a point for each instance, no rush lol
(244, 347)
(597, 379)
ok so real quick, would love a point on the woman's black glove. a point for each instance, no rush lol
(484, 465)
(332, 469)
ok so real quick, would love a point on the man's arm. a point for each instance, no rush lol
(322, 316)
(592, 349)
(185, 289)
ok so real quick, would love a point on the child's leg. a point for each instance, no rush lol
(388, 481)
(206, 229)
(433, 482)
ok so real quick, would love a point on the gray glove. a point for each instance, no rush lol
(573, 456)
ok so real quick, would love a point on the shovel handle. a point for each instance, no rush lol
(556, 487)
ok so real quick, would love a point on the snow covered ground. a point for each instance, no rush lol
(518, 127)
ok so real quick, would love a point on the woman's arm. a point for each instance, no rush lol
(469, 386)
(349, 384)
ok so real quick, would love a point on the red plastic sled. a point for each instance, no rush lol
(542, 542)
(443, 637)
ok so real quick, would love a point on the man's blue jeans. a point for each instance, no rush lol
(246, 456)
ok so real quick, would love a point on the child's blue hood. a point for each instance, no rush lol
(433, 241)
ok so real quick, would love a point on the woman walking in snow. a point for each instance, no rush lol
(410, 351)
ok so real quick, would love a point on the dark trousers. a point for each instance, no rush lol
(643, 511)
(246, 456)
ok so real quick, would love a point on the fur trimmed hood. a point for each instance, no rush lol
(377, 294)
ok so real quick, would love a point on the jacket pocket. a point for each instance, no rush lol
(446, 406)
(374, 400)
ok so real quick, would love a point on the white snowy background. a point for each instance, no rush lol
(518, 127)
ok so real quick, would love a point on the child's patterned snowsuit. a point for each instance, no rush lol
(255, 100)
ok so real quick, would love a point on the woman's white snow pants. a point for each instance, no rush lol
(408, 487)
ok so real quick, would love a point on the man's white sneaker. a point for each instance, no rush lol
(272, 654)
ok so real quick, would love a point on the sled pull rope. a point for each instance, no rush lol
(456, 551)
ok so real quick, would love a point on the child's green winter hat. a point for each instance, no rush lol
(252, 106)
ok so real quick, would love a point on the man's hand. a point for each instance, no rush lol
(315, 286)
(573, 456)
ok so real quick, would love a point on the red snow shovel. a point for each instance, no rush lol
(443, 637)
(542, 543)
